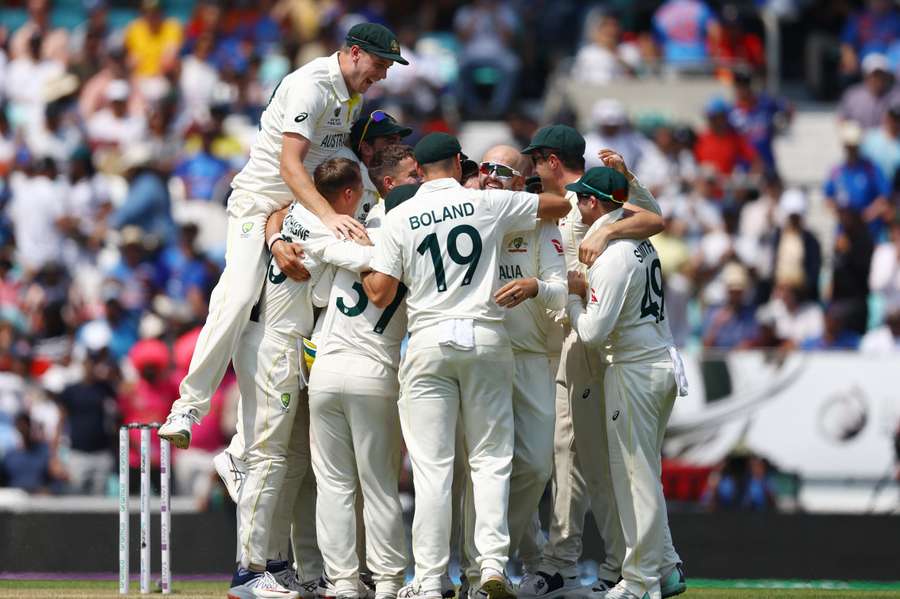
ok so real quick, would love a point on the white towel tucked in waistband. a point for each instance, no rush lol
(458, 333)
(680, 377)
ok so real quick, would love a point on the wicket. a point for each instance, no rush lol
(165, 521)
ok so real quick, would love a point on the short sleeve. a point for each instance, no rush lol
(513, 210)
(388, 257)
(304, 103)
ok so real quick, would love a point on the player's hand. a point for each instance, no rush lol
(592, 246)
(515, 292)
(577, 283)
(614, 160)
(345, 227)
(288, 257)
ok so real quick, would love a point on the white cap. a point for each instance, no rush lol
(875, 62)
(117, 90)
(793, 201)
(609, 112)
(850, 133)
(734, 276)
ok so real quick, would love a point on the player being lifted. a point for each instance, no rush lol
(268, 372)
(307, 119)
(443, 244)
(625, 322)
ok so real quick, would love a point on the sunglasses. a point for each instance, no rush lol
(376, 116)
(500, 171)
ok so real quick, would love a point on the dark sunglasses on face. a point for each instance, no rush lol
(500, 171)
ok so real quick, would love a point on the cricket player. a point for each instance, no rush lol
(267, 364)
(532, 277)
(444, 244)
(557, 152)
(307, 119)
(355, 431)
(369, 135)
(625, 322)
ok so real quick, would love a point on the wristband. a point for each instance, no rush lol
(273, 239)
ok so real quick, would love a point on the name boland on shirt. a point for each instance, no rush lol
(444, 245)
(314, 102)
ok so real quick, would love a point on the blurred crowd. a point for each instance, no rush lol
(119, 138)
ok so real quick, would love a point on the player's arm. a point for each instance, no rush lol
(294, 149)
(288, 256)
(605, 292)
(552, 206)
(382, 283)
(347, 254)
(643, 215)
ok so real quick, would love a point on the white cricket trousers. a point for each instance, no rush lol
(440, 384)
(639, 400)
(355, 433)
(237, 291)
(581, 476)
(533, 414)
(268, 373)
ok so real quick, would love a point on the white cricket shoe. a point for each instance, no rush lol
(495, 585)
(232, 471)
(414, 590)
(543, 585)
(263, 586)
(289, 580)
(325, 589)
(177, 428)
(620, 592)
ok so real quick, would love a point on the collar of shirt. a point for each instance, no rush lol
(337, 78)
(606, 219)
(437, 184)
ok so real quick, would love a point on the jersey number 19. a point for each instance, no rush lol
(430, 244)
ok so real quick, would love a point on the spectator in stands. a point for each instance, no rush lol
(147, 204)
(7, 142)
(32, 467)
(90, 417)
(884, 276)
(54, 41)
(866, 102)
(26, 76)
(153, 41)
(202, 171)
(857, 184)
(148, 398)
(835, 335)
(884, 339)
(487, 30)
(758, 116)
(795, 248)
(731, 325)
(721, 145)
(187, 272)
(58, 136)
(612, 130)
(794, 317)
(759, 220)
(851, 263)
(667, 167)
(730, 45)
(35, 210)
(199, 80)
(741, 482)
(882, 145)
(871, 30)
(114, 127)
(604, 58)
(682, 28)
(117, 328)
(678, 275)
(135, 275)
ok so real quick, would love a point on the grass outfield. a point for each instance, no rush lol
(700, 589)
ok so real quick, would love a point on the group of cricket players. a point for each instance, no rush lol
(537, 352)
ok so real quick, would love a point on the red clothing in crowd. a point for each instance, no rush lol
(725, 151)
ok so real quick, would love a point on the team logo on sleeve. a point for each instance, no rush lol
(245, 230)
(301, 117)
(285, 400)
(517, 246)
(557, 244)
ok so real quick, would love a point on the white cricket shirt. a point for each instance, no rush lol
(287, 305)
(314, 102)
(538, 254)
(443, 244)
(625, 318)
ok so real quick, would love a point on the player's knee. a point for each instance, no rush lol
(533, 467)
